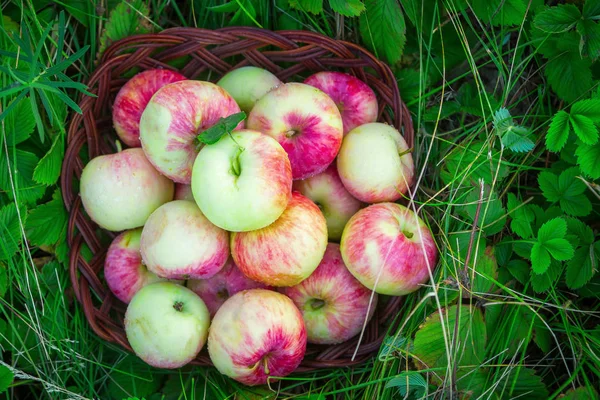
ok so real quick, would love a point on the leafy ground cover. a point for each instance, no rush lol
(506, 105)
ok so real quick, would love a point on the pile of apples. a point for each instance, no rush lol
(230, 227)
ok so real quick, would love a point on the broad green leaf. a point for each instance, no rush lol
(513, 321)
(591, 9)
(486, 271)
(383, 30)
(132, 377)
(583, 392)
(543, 282)
(517, 140)
(408, 383)
(19, 123)
(567, 190)
(20, 174)
(558, 132)
(230, 7)
(581, 230)
(223, 127)
(429, 347)
(582, 266)
(499, 12)
(311, 6)
(520, 383)
(48, 169)
(492, 215)
(476, 101)
(584, 128)
(589, 46)
(540, 258)
(391, 346)
(587, 158)
(519, 269)
(557, 19)
(589, 108)
(474, 161)
(349, 8)
(521, 217)
(555, 228)
(128, 18)
(10, 230)
(6, 378)
(559, 249)
(548, 182)
(47, 223)
(541, 334)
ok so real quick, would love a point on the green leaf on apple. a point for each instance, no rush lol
(223, 127)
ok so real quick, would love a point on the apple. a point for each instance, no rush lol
(257, 334)
(166, 324)
(329, 194)
(375, 163)
(243, 182)
(178, 242)
(227, 282)
(173, 119)
(133, 98)
(248, 84)
(287, 251)
(119, 191)
(354, 98)
(183, 192)
(389, 249)
(333, 303)
(305, 121)
(124, 271)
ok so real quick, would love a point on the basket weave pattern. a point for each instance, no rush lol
(289, 55)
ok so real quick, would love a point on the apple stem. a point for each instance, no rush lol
(119, 146)
(316, 304)
(266, 365)
(405, 152)
(235, 163)
(408, 234)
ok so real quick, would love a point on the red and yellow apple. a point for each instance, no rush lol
(179, 242)
(173, 119)
(389, 249)
(119, 191)
(256, 335)
(333, 303)
(375, 163)
(243, 182)
(133, 98)
(305, 121)
(354, 98)
(287, 251)
(248, 84)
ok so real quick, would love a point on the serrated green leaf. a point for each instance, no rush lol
(486, 271)
(573, 201)
(502, 120)
(589, 108)
(10, 230)
(311, 6)
(47, 223)
(587, 158)
(499, 12)
(6, 378)
(519, 269)
(521, 383)
(132, 377)
(48, 169)
(584, 128)
(222, 127)
(548, 182)
(581, 230)
(554, 228)
(382, 29)
(19, 123)
(521, 217)
(408, 383)
(558, 132)
(516, 140)
(589, 45)
(474, 161)
(349, 8)
(128, 18)
(582, 266)
(540, 258)
(492, 216)
(557, 19)
(543, 282)
(591, 9)
(22, 164)
(583, 392)
(391, 345)
(559, 249)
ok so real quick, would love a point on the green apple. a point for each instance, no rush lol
(248, 84)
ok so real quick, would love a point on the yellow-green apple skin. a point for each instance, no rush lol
(257, 334)
(119, 191)
(243, 182)
(375, 164)
(248, 84)
(166, 324)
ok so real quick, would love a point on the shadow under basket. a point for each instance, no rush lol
(207, 55)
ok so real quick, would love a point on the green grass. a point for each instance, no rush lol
(537, 344)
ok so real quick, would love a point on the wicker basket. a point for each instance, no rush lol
(207, 54)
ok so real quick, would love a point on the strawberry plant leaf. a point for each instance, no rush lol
(128, 18)
(543, 282)
(589, 108)
(558, 133)
(349, 8)
(582, 266)
(548, 182)
(554, 228)
(492, 217)
(567, 190)
(311, 6)
(47, 223)
(584, 128)
(48, 169)
(6, 378)
(521, 217)
(519, 269)
(383, 29)
(540, 258)
(581, 230)
(10, 230)
(559, 249)
(557, 19)
(19, 123)
(223, 127)
(589, 45)
(591, 10)
(17, 170)
(587, 158)
(409, 383)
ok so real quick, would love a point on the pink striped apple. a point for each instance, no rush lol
(375, 163)
(248, 84)
(287, 251)
(178, 242)
(354, 98)
(172, 120)
(133, 98)
(329, 194)
(119, 191)
(183, 192)
(218, 288)
(389, 249)
(333, 303)
(256, 335)
(166, 324)
(305, 121)
(243, 182)
(124, 271)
